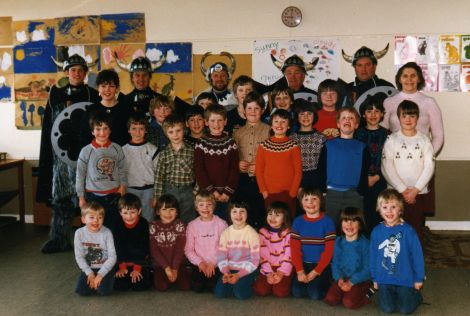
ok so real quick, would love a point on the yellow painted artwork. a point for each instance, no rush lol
(30, 87)
(77, 30)
(29, 114)
(5, 31)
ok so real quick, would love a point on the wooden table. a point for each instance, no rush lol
(18, 164)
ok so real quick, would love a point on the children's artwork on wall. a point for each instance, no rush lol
(91, 53)
(38, 33)
(31, 87)
(126, 53)
(179, 56)
(6, 38)
(449, 49)
(174, 84)
(34, 59)
(465, 49)
(465, 78)
(77, 30)
(427, 49)
(327, 50)
(30, 114)
(406, 49)
(6, 61)
(449, 78)
(6, 83)
(122, 28)
(430, 73)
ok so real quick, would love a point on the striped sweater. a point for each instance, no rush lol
(238, 250)
(312, 241)
(275, 251)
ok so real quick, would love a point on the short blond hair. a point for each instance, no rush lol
(203, 196)
(92, 206)
(349, 109)
(160, 102)
(388, 195)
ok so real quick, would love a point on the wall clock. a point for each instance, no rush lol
(291, 16)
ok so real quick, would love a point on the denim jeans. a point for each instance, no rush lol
(243, 289)
(105, 287)
(399, 298)
(315, 289)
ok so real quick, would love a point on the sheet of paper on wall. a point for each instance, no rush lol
(33, 87)
(328, 51)
(174, 84)
(465, 49)
(77, 30)
(126, 53)
(91, 54)
(430, 73)
(178, 56)
(449, 49)
(36, 33)
(122, 28)
(6, 74)
(34, 59)
(465, 78)
(29, 114)
(427, 46)
(406, 49)
(6, 38)
(449, 78)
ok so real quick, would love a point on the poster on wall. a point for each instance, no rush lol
(6, 74)
(406, 49)
(5, 31)
(77, 30)
(34, 33)
(29, 114)
(34, 59)
(178, 56)
(449, 78)
(465, 49)
(328, 51)
(122, 28)
(427, 49)
(30, 87)
(449, 49)
(430, 73)
(465, 78)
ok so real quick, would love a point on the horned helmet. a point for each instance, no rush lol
(74, 60)
(294, 60)
(218, 66)
(365, 52)
(140, 63)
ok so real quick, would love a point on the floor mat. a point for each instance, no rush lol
(447, 249)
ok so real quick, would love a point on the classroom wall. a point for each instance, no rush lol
(233, 25)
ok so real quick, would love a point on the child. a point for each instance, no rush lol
(374, 136)
(216, 160)
(174, 174)
(350, 265)
(408, 165)
(204, 99)
(313, 237)
(195, 124)
(236, 117)
(238, 255)
(140, 159)
(94, 252)
(167, 240)
(101, 170)
(311, 146)
(248, 139)
(131, 238)
(328, 91)
(202, 240)
(282, 98)
(396, 257)
(160, 107)
(347, 165)
(275, 252)
(279, 164)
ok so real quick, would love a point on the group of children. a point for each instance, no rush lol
(273, 175)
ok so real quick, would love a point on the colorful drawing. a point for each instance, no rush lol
(449, 78)
(37, 33)
(449, 49)
(465, 46)
(33, 86)
(327, 50)
(5, 31)
(122, 28)
(78, 30)
(5, 87)
(430, 73)
(176, 84)
(179, 56)
(6, 61)
(29, 114)
(405, 49)
(37, 59)
(465, 78)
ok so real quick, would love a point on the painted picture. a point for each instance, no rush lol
(37, 33)
(30, 59)
(449, 49)
(427, 49)
(327, 50)
(91, 53)
(29, 114)
(77, 30)
(6, 61)
(6, 83)
(465, 49)
(33, 86)
(178, 56)
(122, 28)
(5, 31)
(465, 78)
(174, 84)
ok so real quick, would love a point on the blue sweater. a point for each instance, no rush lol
(396, 257)
(351, 260)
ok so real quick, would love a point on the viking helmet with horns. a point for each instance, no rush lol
(294, 60)
(365, 52)
(74, 60)
(218, 66)
(140, 64)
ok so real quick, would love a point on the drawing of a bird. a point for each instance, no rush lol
(167, 88)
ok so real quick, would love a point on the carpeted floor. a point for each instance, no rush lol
(446, 249)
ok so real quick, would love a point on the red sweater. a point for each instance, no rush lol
(167, 244)
(279, 166)
(326, 123)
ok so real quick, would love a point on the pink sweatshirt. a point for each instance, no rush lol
(202, 240)
(275, 251)
(430, 117)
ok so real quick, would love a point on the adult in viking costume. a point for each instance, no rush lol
(56, 183)
(141, 69)
(218, 76)
(364, 62)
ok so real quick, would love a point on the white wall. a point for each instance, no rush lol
(233, 25)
